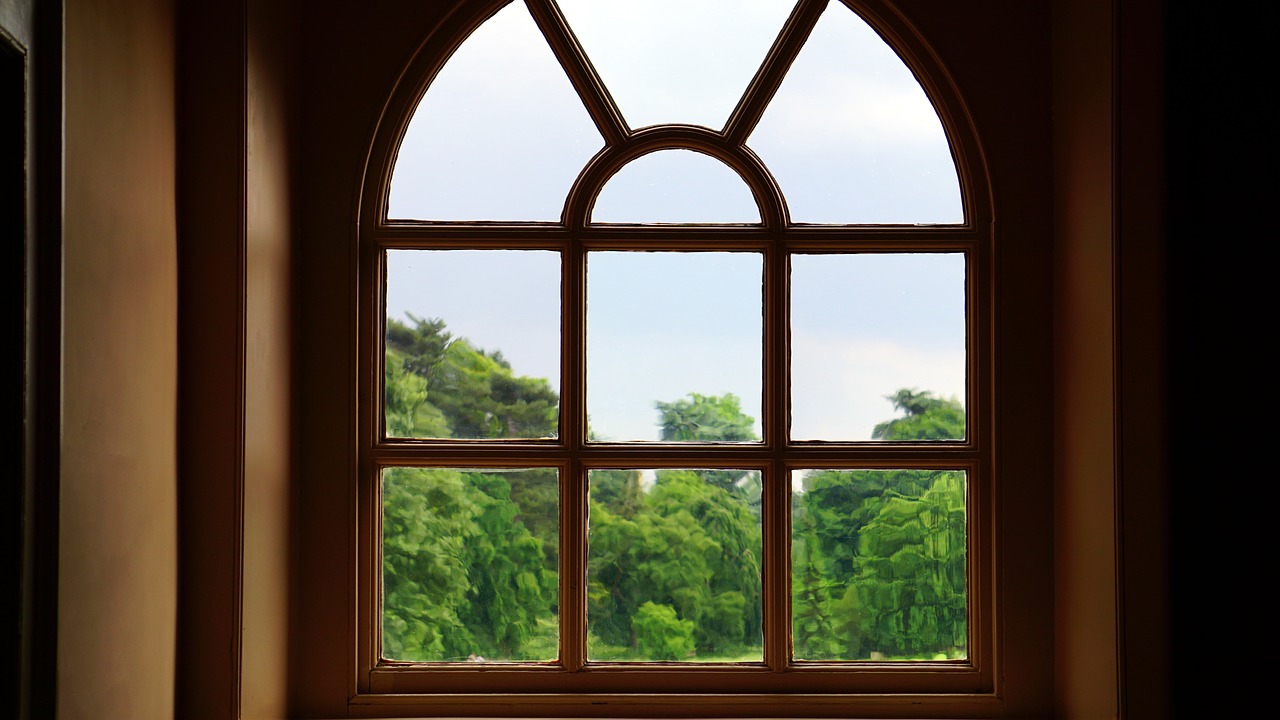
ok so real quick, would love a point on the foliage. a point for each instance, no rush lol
(426, 525)
(660, 634)
(705, 418)
(474, 393)
(511, 587)
(909, 575)
(709, 418)
(688, 544)
(461, 572)
(878, 556)
(927, 418)
(470, 557)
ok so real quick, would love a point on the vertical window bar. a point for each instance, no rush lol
(573, 426)
(776, 498)
(777, 571)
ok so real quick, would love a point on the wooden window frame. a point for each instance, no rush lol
(778, 686)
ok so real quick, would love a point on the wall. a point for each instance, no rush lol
(1111, 472)
(235, 224)
(269, 313)
(117, 557)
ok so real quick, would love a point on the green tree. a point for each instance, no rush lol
(728, 613)
(536, 491)
(461, 572)
(510, 586)
(710, 418)
(691, 542)
(647, 558)
(407, 412)
(878, 555)
(427, 522)
(813, 628)
(421, 347)
(469, 393)
(618, 490)
(687, 544)
(910, 572)
(661, 635)
(705, 418)
(469, 558)
(926, 417)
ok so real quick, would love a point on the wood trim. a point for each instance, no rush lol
(379, 685)
(32, 35)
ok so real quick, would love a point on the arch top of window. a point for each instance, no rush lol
(533, 113)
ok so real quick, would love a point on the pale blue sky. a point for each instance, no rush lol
(850, 138)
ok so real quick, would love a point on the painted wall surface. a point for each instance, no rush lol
(117, 555)
(268, 338)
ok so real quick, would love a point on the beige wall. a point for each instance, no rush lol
(117, 556)
(268, 337)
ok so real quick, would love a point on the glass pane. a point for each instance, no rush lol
(674, 346)
(470, 564)
(472, 344)
(878, 347)
(500, 134)
(676, 61)
(675, 186)
(851, 136)
(673, 566)
(878, 565)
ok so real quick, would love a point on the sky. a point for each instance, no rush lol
(850, 138)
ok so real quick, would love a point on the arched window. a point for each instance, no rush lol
(674, 328)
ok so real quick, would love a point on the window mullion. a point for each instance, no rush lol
(573, 567)
(776, 531)
(573, 428)
(776, 340)
(776, 501)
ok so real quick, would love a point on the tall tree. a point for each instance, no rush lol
(711, 418)
(427, 521)
(462, 574)
(909, 573)
(926, 417)
(683, 543)
(474, 392)
(469, 558)
(705, 418)
(878, 560)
